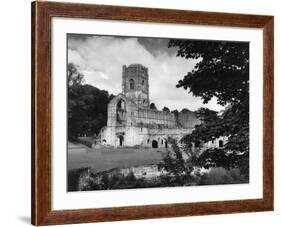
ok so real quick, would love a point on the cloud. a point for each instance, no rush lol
(100, 59)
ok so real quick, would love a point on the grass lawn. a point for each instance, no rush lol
(80, 156)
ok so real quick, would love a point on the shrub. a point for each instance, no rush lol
(73, 178)
(221, 175)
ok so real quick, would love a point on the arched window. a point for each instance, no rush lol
(142, 83)
(121, 140)
(141, 125)
(132, 84)
(121, 111)
(121, 105)
(220, 143)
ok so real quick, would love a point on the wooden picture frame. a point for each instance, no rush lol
(42, 13)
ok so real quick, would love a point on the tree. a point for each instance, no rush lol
(153, 106)
(74, 77)
(175, 112)
(207, 130)
(87, 106)
(179, 164)
(166, 109)
(222, 72)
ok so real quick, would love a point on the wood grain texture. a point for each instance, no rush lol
(268, 113)
(42, 12)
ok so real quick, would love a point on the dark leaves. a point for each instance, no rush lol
(87, 106)
(222, 73)
(223, 69)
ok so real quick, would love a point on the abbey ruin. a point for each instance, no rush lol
(131, 122)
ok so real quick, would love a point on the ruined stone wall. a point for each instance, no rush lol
(216, 143)
(187, 119)
(153, 118)
(161, 136)
(132, 123)
(131, 136)
(140, 136)
(140, 117)
(128, 114)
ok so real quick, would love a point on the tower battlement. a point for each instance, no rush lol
(135, 84)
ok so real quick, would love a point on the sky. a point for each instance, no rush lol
(100, 59)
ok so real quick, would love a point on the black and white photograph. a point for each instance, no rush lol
(146, 112)
(131, 113)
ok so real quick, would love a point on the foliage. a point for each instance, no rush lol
(182, 163)
(207, 130)
(166, 109)
(223, 176)
(74, 77)
(87, 106)
(178, 165)
(175, 112)
(114, 181)
(153, 106)
(73, 177)
(228, 160)
(222, 72)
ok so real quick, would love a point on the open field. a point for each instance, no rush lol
(80, 156)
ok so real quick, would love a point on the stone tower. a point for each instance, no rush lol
(135, 84)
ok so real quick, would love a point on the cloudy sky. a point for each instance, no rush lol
(100, 59)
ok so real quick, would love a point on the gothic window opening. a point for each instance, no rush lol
(121, 105)
(121, 111)
(220, 143)
(141, 125)
(132, 84)
(142, 83)
(121, 140)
